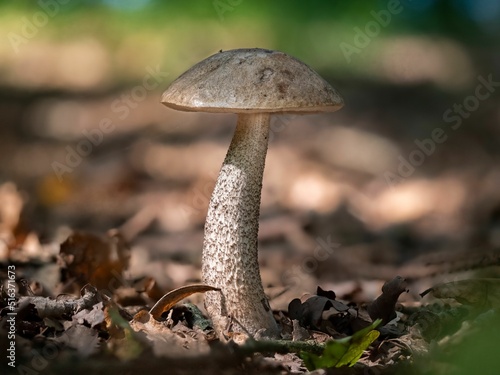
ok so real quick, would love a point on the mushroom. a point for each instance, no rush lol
(253, 83)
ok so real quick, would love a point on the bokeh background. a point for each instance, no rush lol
(86, 145)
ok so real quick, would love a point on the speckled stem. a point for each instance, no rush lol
(230, 259)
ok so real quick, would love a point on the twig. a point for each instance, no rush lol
(279, 346)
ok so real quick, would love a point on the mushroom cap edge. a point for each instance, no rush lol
(252, 80)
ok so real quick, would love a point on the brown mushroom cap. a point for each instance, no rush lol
(251, 80)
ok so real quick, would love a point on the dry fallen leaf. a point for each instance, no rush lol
(318, 312)
(93, 317)
(384, 307)
(86, 258)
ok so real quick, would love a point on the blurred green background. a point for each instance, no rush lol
(112, 41)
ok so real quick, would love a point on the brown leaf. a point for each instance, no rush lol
(171, 298)
(86, 258)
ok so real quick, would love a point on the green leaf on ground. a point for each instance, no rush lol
(343, 352)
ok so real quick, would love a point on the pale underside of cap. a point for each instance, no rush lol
(251, 81)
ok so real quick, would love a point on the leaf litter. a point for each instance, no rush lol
(97, 311)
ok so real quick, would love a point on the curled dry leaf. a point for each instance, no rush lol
(326, 293)
(320, 312)
(384, 307)
(171, 298)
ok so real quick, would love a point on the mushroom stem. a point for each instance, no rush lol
(230, 258)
